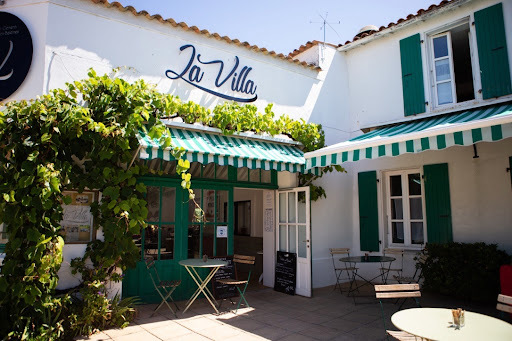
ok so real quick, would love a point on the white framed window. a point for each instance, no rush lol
(451, 64)
(405, 208)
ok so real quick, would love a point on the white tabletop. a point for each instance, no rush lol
(199, 263)
(436, 324)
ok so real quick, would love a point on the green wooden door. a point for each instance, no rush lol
(173, 234)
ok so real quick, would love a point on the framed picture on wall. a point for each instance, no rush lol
(77, 220)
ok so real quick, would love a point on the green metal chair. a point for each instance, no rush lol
(398, 291)
(339, 267)
(164, 288)
(240, 259)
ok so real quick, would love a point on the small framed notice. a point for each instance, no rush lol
(77, 220)
(222, 231)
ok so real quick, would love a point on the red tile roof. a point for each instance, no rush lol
(421, 12)
(206, 33)
(308, 45)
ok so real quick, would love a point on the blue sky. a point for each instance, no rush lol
(282, 25)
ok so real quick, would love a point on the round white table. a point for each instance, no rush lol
(190, 265)
(436, 324)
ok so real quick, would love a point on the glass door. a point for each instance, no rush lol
(294, 233)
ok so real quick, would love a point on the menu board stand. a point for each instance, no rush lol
(286, 272)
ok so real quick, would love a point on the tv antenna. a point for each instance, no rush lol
(324, 23)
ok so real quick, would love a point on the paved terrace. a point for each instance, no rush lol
(328, 315)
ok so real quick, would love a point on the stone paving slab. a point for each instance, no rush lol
(328, 315)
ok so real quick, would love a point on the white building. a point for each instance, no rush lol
(433, 89)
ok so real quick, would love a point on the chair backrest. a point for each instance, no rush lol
(150, 266)
(504, 303)
(397, 291)
(241, 259)
(396, 253)
(340, 251)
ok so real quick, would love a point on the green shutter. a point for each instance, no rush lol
(368, 211)
(412, 75)
(437, 201)
(492, 52)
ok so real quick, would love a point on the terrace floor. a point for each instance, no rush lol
(328, 315)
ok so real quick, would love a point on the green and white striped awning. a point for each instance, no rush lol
(434, 133)
(235, 151)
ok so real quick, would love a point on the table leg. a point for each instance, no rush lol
(201, 287)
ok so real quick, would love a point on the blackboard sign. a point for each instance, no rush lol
(15, 53)
(220, 290)
(286, 272)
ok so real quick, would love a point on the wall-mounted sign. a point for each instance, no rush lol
(15, 53)
(235, 77)
(222, 231)
(77, 220)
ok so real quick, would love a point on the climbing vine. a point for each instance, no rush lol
(84, 137)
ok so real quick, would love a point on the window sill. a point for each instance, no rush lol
(407, 247)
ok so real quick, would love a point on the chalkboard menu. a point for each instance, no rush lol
(220, 290)
(286, 272)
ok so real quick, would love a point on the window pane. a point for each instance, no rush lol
(153, 199)
(222, 247)
(168, 204)
(208, 236)
(291, 207)
(292, 238)
(192, 212)
(209, 171)
(167, 244)
(440, 46)
(266, 176)
(302, 241)
(443, 70)
(222, 172)
(396, 185)
(242, 174)
(151, 241)
(254, 175)
(222, 206)
(282, 207)
(193, 241)
(301, 209)
(417, 233)
(397, 232)
(414, 184)
(444, 93)
(416, 208)
(397, 210)
(209, 204)
(282, 238)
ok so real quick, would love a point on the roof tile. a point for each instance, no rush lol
(206, 33)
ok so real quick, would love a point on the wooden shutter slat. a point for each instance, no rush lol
(368, 211)
(412, 75)
(437, 202)
(492, 52)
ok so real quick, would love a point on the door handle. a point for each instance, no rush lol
(305, 241)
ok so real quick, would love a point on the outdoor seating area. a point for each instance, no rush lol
(277, 316)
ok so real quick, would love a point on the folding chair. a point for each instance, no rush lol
(240, 259)
(505, 304)
(398, 291)
(164, 288)
(395, 266)
(415, 278)
(339, 267)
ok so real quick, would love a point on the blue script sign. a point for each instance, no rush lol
(193, 75)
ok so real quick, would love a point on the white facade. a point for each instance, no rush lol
(359, 86)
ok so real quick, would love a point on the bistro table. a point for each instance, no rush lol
(366, 259)
(190, 265)
(436, 324)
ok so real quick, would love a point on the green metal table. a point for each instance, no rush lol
(436, 324)
(191, 265)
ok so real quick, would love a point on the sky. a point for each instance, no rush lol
(282, 25)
